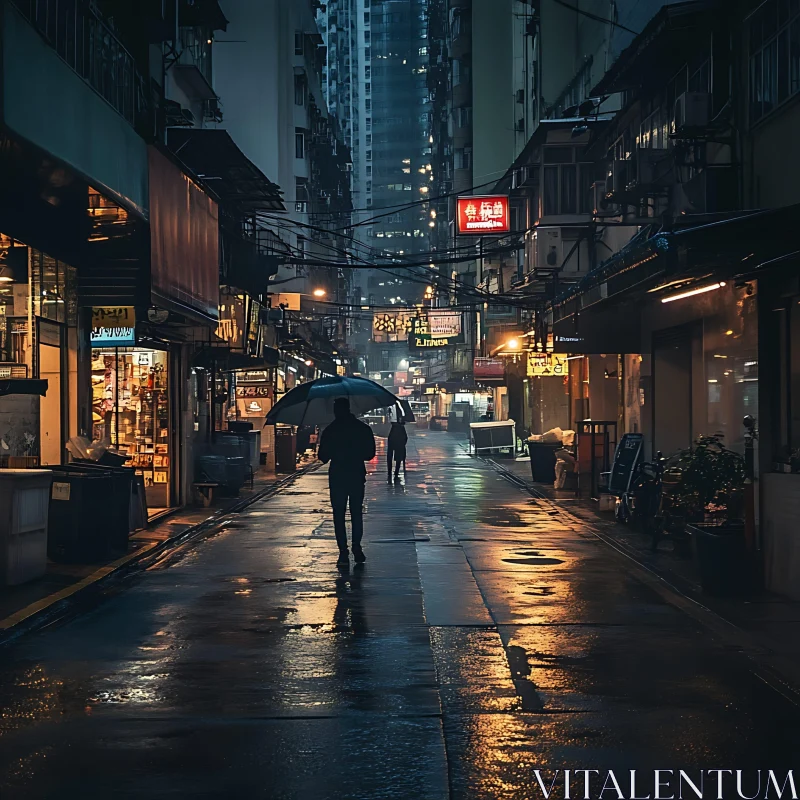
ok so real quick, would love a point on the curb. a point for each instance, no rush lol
(66, 602)
(761, 657)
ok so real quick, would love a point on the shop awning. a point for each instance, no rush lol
(23, 386)
(223, 359)
(213, 156)
(736, 247)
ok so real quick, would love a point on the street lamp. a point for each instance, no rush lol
(319, 293)
(512, 344)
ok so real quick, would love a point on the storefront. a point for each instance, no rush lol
(38, 340)
(131, 410)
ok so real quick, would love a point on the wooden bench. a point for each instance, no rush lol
(205, 492)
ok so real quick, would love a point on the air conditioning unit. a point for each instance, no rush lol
(651, 166)
(549, 254)
(561, 250)
(692, 110)
(519, 177)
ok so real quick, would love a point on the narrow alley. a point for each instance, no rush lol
(488, 635)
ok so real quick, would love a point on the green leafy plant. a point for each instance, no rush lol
(707, 481)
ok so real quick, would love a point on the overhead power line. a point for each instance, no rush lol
(595, 17)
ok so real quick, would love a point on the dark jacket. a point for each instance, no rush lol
(398, 438)
(347, 443)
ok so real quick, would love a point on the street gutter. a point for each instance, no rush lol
(69, 601)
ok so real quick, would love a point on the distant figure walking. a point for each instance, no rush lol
(396, 449)
(347, 443)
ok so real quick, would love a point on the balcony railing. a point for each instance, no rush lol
(83, 40)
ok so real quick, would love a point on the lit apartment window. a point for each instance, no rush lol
(299, 143)
(423, 51)
(298, 43)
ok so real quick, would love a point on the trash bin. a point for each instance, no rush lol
(78, 528)
(285, 449)
(236, 469)
(212, 469)
(543, 461)
(24, 499)
(122, 479)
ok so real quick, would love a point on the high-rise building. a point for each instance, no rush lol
(376, 86)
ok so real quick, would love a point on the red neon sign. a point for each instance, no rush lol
(483, 214)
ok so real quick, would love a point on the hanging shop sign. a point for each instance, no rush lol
(489, 369)
(254, 391)
(480, 215)
(542, 365)
(113, 326)
(445, 323)
(423, 336)
(391, 326)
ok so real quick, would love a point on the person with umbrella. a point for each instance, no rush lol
(347, 443)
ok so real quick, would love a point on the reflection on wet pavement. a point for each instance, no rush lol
(485, 637)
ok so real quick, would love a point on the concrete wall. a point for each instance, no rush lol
(781, 501)
(43, 101)
(493, 103)
(773, 172)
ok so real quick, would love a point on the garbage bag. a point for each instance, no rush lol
(553, 436)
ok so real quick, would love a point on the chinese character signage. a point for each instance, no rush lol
(542, 365)
(113, 326)
(481, 215)
(391, 326)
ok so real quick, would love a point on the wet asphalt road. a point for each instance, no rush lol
(486, 636)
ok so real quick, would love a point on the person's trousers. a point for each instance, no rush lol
(342, 492)
(391, 454)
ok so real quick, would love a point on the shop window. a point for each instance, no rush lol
(130, 408)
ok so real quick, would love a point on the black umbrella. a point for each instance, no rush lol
(312, 403)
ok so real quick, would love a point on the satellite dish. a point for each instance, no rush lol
(157, 316)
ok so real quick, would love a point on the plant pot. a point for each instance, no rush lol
(725, 565)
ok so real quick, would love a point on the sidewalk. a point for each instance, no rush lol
(26, 604)
(771, 622)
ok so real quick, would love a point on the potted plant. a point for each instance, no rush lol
(711, 495)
